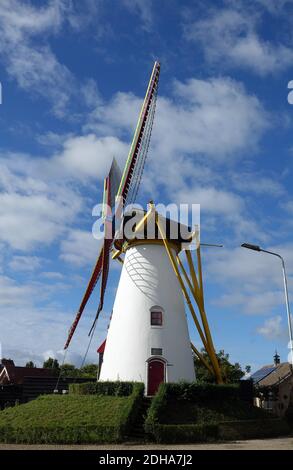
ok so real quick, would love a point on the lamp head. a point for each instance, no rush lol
(251, 247)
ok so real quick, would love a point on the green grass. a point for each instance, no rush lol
(67, 410)
(66, 419)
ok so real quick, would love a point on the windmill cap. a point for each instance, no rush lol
(133, 228)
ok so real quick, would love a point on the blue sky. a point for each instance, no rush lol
(73, 76)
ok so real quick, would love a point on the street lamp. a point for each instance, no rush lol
(258, 248)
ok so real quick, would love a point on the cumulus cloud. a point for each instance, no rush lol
(252, 282)
(33, 322)
(229, 37)
(27, 56)
(88, 157)
(143, 8)
(80, 248)
(214, 117)
(272, 328)
(203, 124)
(41, 197)
(25, 263)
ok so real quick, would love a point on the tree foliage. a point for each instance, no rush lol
(231, 373)
(30, 364)
(69, 370)
(51, 363)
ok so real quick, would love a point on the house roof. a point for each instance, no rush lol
(271, 374)
(16, 375)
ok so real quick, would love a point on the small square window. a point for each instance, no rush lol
(156, 351)
(156, 318)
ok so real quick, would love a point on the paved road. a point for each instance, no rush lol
(257, 444)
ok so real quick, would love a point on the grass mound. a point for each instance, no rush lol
(69, 419)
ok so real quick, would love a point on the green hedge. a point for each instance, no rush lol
(79, 428)
(180, 433)
(156, 410)
(202, 392)
(118, 389)
(253, 429)
(132, 412)
(214, 399)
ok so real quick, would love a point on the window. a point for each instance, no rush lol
(156, 318)
(156, 351)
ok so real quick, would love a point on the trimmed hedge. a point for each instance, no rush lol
(156, 410)
(71, 425)
(202, 392)
(132, 412)
(180, 433)
(214, 403)
(118, 389)
(253, 429)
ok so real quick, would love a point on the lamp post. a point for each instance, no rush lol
(258, 248)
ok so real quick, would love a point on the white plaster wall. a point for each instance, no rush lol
(147, 279)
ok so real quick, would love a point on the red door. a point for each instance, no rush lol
(156, 375)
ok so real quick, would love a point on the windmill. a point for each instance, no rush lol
(148, 338)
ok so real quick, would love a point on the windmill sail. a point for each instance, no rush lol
(127, 189)
(110, 188)
(102, 263)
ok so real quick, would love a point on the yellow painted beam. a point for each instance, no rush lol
(116, 254)
(192, 270)
(200, 356)
(144, 219)
(199, 267)
(182, 285)
(197, 298)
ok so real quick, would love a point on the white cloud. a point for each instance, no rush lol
(13, 294)
(215, 118)
(29, 329)
(25, 263)
(41, 197)
(229, 37)
(80, 248)
(34, 333)
(252, 282)
(52, 275)
(27, 220)
(251, 303)
(212, 200)
(202, 125)
(144, 9)
(275, 6)
(88, 157)
(257, 184)
(27, 57)
(272, 328)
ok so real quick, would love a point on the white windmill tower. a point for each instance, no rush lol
(148, 339)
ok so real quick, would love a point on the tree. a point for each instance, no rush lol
(51, 363)
(30, 364)
(69, 370)
(89, 370)
(231, 373)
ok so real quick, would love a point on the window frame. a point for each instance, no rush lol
(159, 318)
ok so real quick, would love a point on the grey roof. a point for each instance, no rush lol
(276, 375)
